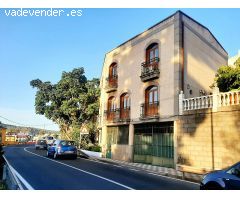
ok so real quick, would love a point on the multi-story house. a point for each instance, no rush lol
(140, 85)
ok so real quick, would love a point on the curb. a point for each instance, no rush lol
(168, 172)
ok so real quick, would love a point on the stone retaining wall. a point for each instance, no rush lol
(208, 140)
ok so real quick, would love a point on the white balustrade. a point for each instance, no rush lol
(210, 101)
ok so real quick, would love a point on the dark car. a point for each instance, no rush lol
(228, 179)
(41, 144)
(62, 148)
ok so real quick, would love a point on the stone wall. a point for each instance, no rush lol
(122, 152)
(208, 140)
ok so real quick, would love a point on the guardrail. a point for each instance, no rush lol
(13, 179)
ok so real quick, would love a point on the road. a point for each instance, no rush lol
(43, 173)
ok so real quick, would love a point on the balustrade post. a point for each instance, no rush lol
(215, 99)
(181, 98)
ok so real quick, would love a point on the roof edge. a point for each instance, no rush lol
(178, 11)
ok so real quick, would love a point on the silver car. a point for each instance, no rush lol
(41, 144)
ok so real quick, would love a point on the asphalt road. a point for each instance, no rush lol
(43, 173)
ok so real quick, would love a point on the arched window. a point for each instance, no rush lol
(125, 101)
(111, 108)
(124, 106)
(151, 101)
(113, 70)
(111, 104)
(112, 78)
(152, 52)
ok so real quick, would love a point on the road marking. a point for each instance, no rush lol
(134, 169)
(106, 179)
(149, 172)
(26, 184)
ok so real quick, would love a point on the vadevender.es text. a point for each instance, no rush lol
(41, 12)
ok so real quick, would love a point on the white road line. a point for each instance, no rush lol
(106, 179)
(134, 169)
(149, 172)
(26, 184)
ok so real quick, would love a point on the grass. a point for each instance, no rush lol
(2, 186)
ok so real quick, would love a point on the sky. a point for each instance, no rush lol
(44, 47)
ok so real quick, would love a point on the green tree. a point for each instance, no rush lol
(74, 100)
(228, 78)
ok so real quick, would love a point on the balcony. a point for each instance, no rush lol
(110, 115)
(124, 115)
(150, 70)
(111, 83)
(118, 115)
(149, 110)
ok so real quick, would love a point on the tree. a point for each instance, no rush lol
(74, 100)
(228, 78)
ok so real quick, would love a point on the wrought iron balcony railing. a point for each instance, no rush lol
(149, 110)
(111, 83)
(150, 69)
(118, 115)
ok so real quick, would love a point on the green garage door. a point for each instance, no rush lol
(153, 144)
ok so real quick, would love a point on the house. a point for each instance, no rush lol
(232, 60)
(140, 85)
(2, 133)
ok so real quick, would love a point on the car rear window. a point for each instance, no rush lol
(41, 142)
(50, 138)
(67, 143)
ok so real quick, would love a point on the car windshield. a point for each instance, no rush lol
(50, 138)
(67, 143)
(41, 142)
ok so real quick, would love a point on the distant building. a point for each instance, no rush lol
(233, 59)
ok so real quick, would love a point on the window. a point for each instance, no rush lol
(152, 52)
(113, 70)
(125, 101)
(235, 170)
(151, 101)
(111, 104)
(124, 106)
(152, 95)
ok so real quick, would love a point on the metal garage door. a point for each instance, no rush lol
(153, 144)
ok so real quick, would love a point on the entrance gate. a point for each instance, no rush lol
(153, 144)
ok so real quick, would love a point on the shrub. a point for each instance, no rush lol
(95, 148)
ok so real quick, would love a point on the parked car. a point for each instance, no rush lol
(50, 140)
(41, 144)
(228, 178)
(62, 148)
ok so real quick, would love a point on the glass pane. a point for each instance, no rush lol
(155, 96)
(156, 53)
(151, 55)
(150, 97)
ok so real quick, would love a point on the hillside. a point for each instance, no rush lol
(32, 131)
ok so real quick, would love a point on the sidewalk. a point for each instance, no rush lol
(155, 169)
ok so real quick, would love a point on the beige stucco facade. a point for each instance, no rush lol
(189, 56)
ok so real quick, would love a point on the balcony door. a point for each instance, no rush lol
(124, 106)
(113, 74)
(151, 101)
(111, 108)
(152, 52)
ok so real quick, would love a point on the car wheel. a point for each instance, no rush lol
(213, 186)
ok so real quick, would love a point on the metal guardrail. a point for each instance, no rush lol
(10, 178)
(13, 179)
